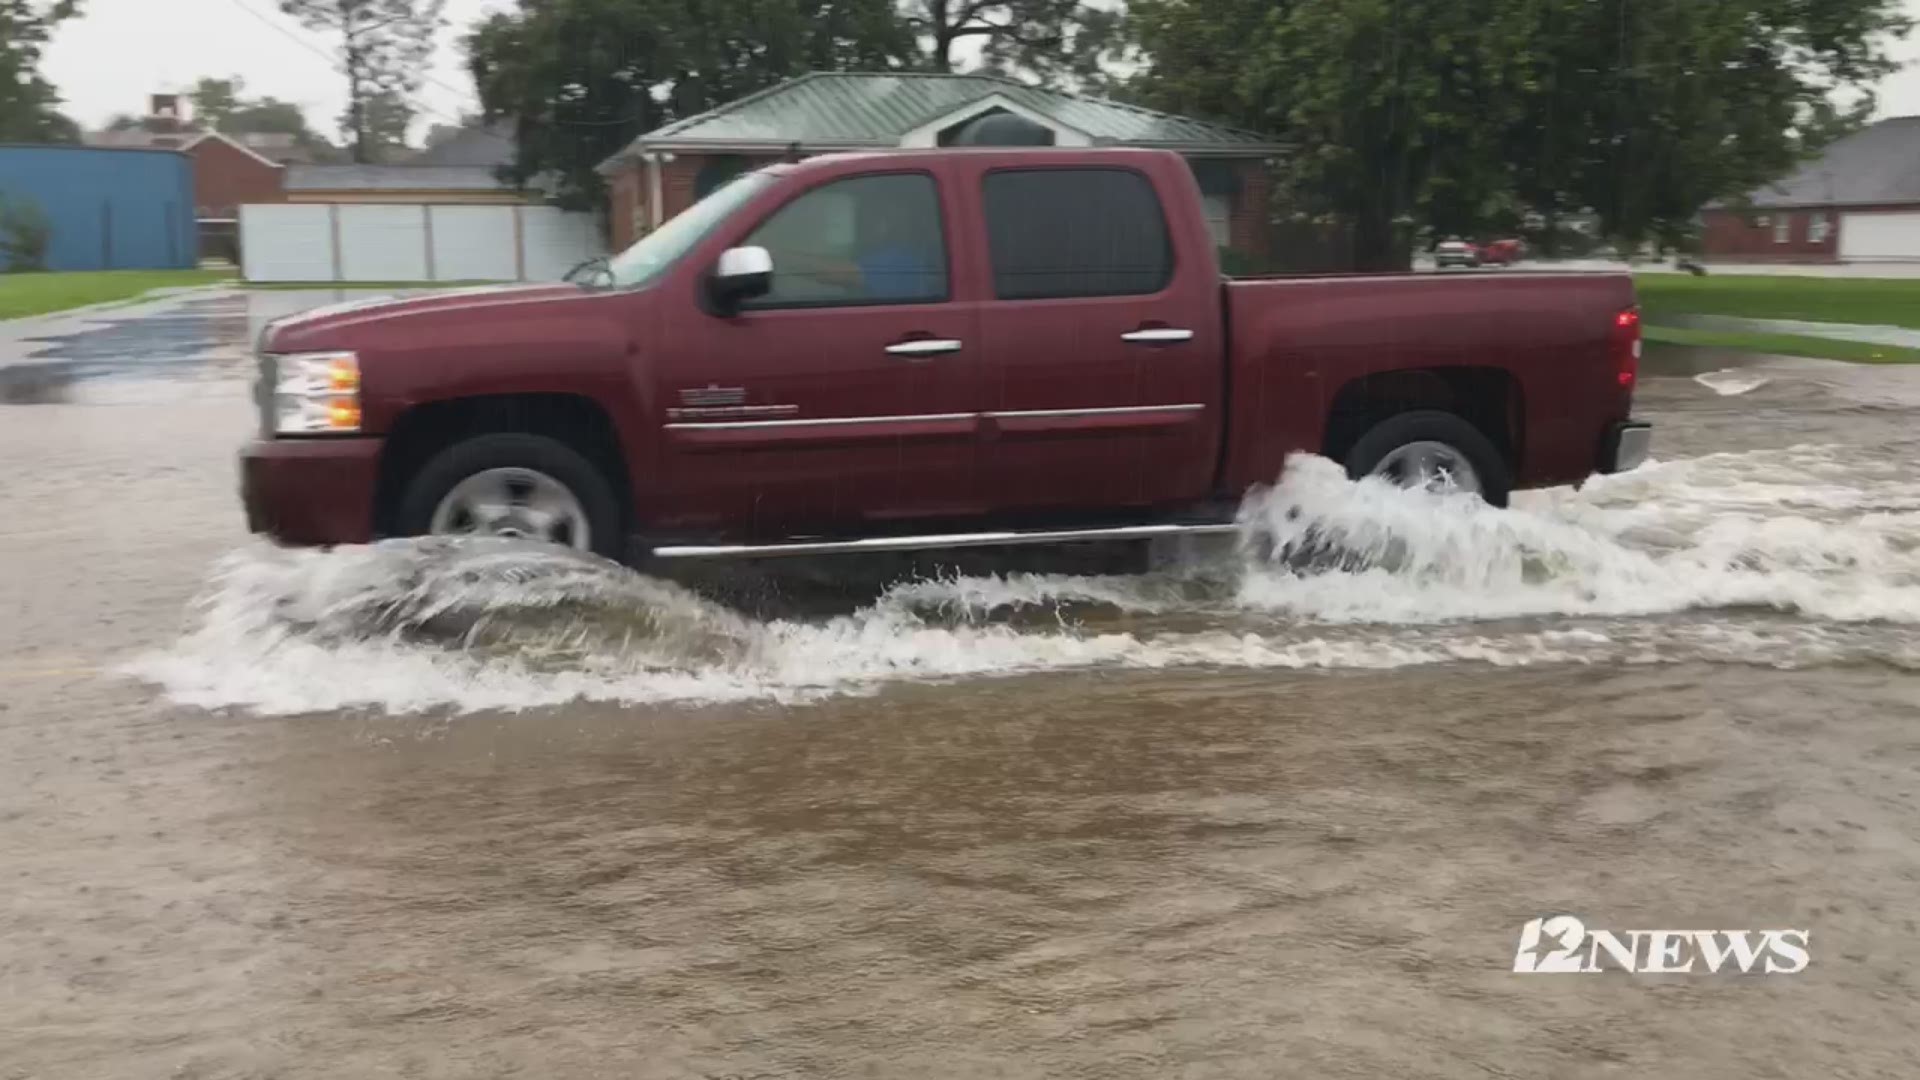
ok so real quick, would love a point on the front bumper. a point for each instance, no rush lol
(311, 491)
(1626, 446)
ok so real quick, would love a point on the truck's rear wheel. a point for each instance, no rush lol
(1434, 450)
(525, 486)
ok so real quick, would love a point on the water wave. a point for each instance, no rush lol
(1790, 557)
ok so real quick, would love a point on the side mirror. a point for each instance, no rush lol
(742, 274)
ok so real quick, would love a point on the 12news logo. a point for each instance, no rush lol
(1563, 945)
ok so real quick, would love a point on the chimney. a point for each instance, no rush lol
(163, 113)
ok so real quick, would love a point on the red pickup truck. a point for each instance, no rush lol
(924, 350)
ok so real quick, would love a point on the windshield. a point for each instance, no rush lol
(653, 253)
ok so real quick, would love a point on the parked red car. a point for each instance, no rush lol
(924, 349)
(1501, 252)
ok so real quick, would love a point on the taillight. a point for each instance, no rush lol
(1626, 347)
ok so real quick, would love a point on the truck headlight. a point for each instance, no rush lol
(316, 394)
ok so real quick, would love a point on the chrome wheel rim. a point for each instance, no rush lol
(1431, 466)
(515, 503)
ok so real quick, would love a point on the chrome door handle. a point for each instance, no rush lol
(1158, 335)
(924, 347)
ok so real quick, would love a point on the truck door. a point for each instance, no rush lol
(1101, 343)
(847, 392)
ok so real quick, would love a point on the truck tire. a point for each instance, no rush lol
(529, 486)
(1431, 437)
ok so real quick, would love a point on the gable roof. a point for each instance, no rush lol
(242, 147)
(850, 110)
(1876, 165)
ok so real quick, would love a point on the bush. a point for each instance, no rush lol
(25, 235)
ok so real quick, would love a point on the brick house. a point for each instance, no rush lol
(230, 168)
(666, 170)
(1859, 201)
(227, 173)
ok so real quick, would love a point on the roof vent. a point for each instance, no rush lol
(998, 128)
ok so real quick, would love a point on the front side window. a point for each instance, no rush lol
(862, 240)
(655, 253)
(1075, 232)
(1783, 228)
(1819, 227)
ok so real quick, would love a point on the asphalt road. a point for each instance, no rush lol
(415, 811)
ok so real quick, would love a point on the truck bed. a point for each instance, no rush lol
(1296, 342)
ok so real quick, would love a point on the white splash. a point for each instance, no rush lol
(1731, 382)
(1707, 542)
(1820, 554)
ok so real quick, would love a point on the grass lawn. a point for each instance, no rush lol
(1875, 301)
(38, 294)
(1783, 345)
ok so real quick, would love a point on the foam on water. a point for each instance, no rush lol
(1785, 558)
(1731, 382)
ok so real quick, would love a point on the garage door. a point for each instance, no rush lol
(1880, 237)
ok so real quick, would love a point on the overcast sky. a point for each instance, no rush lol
(108, 60)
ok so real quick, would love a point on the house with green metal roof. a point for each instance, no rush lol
(666, 170)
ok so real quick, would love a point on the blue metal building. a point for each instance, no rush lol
(110, 208)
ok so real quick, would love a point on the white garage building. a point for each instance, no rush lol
(1858, 202)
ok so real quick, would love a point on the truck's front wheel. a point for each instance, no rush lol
(525, 486)
(1434, 450)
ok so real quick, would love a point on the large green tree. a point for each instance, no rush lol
(215, 101)
(1063, 41)
(222, 104)
(581, 78)
(1454, 115)
(28, 103)
(384, 47)
(385, 118)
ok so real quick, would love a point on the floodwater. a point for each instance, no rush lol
(429, 810)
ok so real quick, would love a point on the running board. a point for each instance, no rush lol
(937, 541)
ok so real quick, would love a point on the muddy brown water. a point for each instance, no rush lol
(1132, 828)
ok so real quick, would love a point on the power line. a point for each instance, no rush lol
(286, 33)
(333, 62)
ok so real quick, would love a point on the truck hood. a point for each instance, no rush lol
(331, 326)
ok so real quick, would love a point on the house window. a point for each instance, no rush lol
(1783, 229)
(716, 171)
(1819, 227)
(1219, 209)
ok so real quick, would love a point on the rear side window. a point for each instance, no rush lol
(1075, 232)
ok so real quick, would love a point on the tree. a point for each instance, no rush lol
(1681, 104)
(1456, 115)
(270, 115)
(1393, 108)
(1464, 114)
(1055, 40)
(581, 78)
(28, 103)
(386, 117)
(384, 47)
(215, 101)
